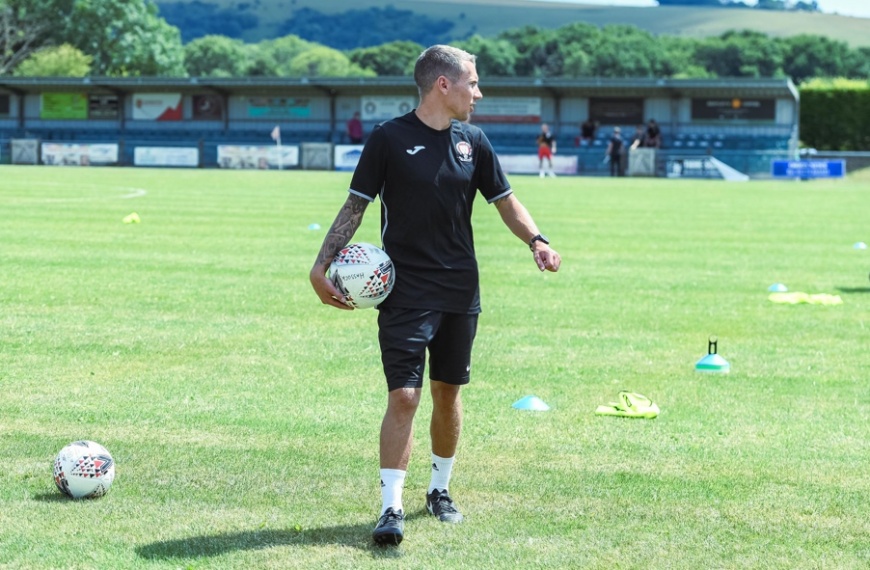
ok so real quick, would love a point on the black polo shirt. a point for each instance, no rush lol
(547, 139)
(426, 181)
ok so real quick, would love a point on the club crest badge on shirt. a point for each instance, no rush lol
(464, 151)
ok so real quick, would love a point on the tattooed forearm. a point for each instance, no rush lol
(343, 228)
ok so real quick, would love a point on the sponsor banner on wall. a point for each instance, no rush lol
(102, 106)
(279, 107)
(702, 167)
(507, 110)
(346, 156)
(382, 108)
(316, 155)
(642, 162)
(64, 106)
(166, 156)
(25, 151)
(5, 105)
(616, 110)
(808, 169)
(65, 154)
(157, 107)
(730, 109)
(528, 164)
(208, 107)
(262, 157)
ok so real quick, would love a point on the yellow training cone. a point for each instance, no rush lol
(132, 219)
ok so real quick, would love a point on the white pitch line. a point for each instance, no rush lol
(130, 193)
(134, 193)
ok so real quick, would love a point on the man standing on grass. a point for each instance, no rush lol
(546, 149)
(613, 154)
(426, 167)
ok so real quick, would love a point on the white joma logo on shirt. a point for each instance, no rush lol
(415, 150)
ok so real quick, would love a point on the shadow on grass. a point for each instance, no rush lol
(54, 498)
(357, 536)
(853, 289)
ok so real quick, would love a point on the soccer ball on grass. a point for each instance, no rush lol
(84, 470)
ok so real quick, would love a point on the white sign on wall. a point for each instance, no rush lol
(258, 157)
(63, 154)
(382, 108)
(528, 164)
(346, 156)
(166, 156)
(508, 110)
(157, 107)
(25, 151)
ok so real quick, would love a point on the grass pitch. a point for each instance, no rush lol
(243, 415)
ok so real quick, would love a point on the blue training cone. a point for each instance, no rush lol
(860, 245)
(532, 403)
(778, 288)
(712, 362)
(313, 227)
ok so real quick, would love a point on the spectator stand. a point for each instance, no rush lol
(738, 120)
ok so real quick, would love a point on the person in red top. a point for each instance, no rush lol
(355, 129)
(546, 149)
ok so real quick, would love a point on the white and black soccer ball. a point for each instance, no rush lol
(84, 470)
(363, 273)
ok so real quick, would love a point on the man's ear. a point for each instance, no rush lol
(443, 83)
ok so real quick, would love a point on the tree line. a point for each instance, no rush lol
(371, 26)
(835, 114)
(130, 38)
(782, 5)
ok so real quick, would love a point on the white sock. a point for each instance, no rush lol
(392, 482)
(441, 470)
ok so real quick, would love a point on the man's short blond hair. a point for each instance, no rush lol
(440, 60)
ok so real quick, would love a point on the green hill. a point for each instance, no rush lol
(260, 19)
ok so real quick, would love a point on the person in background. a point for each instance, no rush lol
(355, 129)
(546, 149)
(587, 132)
(613, 154)
(639, 137)
(426, 167)
(653, 135)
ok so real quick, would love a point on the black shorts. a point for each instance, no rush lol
(406, 334)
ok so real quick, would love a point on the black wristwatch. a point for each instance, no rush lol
(539, 237)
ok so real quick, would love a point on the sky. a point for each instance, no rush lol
(860, 8)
